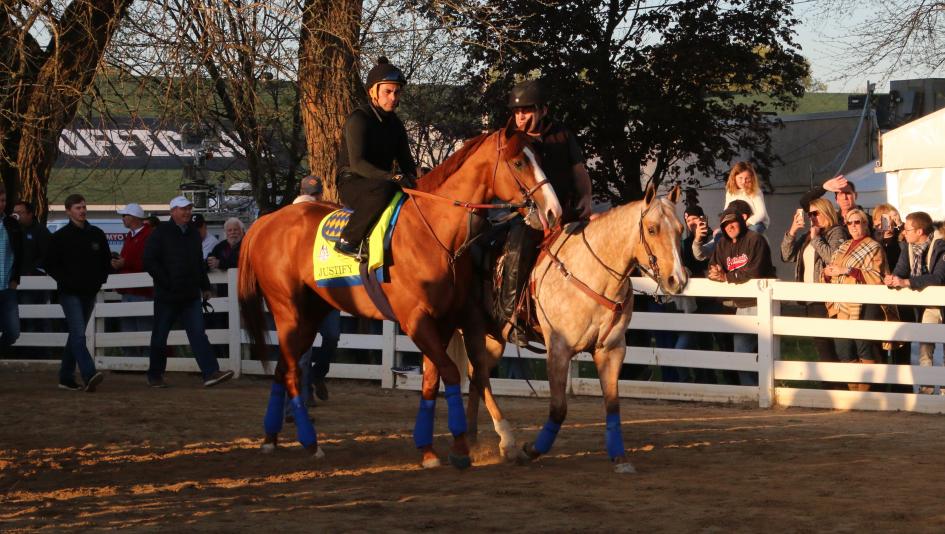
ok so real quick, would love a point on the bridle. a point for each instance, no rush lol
(654, 269)
(474, 209)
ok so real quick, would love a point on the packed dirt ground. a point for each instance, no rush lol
(186, 458)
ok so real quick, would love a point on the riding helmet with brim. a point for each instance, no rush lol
(527, 94)
(384, 72)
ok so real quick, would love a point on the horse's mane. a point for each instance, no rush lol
(441, 172)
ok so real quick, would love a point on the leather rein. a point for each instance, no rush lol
(616, 307)
(475, 208)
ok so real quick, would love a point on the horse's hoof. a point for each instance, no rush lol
(460, 461)
(526, 454)
(514, 454)
(625, 468)
(316, 452)
(267, 448)
(430, 463)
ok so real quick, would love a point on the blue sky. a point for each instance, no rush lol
(825, 42)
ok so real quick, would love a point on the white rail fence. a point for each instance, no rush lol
(769, 325)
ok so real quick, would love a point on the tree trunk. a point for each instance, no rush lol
(65, 72)
(329, 82)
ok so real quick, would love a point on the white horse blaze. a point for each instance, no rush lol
(551, 199)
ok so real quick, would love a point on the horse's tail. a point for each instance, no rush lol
(251, 300)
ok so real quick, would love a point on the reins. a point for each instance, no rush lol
(474, 208)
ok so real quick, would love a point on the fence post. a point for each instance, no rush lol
(389, 349)
(769, 346)
(91, 329)
(233, 323)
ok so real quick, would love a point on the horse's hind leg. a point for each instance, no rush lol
(297, 321)
(608, 361)
(484, 353)
(423, 426)
(559, 358)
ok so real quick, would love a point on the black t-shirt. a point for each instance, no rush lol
(372, 141)
(559, 153)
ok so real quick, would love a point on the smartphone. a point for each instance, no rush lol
(884, 225)
(799, 214)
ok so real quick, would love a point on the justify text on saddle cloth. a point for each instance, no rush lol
(338, 268)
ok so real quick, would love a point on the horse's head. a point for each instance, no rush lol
(660, 234)
(519, 179)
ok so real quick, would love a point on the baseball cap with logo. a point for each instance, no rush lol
(133, 209)
(180, 202)
(311, 185)
(197, 220)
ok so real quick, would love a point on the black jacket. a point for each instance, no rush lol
(174, 259)
(35, 246)
(745, 259)
(371, 142)
(79, 259)
(229, 256)
(16, 244)
(934, 260)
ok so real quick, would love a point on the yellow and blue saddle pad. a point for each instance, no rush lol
(337, 270)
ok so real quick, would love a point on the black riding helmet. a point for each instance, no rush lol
(384, 72)
(527, 94)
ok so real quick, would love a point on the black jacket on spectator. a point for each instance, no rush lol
(16, 244)
(35, 247)
(229, 256)
(174, 259)
(79, 259)
(934, 259)
(746, 259)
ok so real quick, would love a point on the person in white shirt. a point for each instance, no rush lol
(207, 239)
(743, 185)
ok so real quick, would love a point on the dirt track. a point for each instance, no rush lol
(186, 458)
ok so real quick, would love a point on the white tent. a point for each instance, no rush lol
(913, 158)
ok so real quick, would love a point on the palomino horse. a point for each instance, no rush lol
(583, 298)
(428, 277)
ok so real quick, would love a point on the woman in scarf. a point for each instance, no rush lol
(861, 260)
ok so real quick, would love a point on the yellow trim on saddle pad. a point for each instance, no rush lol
(330, 265)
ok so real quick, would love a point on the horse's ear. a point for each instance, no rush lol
(674, 194)
(649, 195)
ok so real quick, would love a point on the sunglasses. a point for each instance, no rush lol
(854, 223)
(813, 214)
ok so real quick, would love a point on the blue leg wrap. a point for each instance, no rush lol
(455, 412)
(304, 427)
(614, 436)
(546, 438)
(423, 429)
(273, 421)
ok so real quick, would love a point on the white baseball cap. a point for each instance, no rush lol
(134, 210)
(180, 202)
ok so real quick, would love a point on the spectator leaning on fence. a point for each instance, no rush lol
(859, 260)
(79, 261)
(11, 262)
(131, 260)
(207, 240)
(921, 264)
(173, 258)
(741, 255)
(35, 239)
(811, 251)
(226, 254)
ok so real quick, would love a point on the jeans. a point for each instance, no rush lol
(9, 317)
(78, 310)
(137, 323)
(190, 314)
(747, 343)
(321, 357)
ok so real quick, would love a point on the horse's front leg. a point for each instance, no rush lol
(426, 333)
(559, 359)
(484, 353)
(423, 427)
(608, 361)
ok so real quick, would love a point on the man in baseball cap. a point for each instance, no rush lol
(131, 260)
(133, 209)
(174, 259)
(310, 190)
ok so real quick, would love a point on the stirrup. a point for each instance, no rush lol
(351, 250)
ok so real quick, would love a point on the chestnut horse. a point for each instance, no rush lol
(428, 276)
(600, 255)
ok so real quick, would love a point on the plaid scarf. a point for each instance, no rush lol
(859, 255)
(918, 251)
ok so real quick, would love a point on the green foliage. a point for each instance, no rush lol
(674, 87)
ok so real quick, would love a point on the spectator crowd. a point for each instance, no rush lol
(828, 242)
